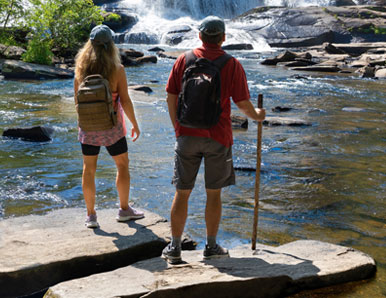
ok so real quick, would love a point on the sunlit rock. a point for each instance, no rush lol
(267, 272)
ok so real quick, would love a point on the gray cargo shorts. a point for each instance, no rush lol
(218, 163)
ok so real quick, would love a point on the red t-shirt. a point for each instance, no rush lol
(233, 85)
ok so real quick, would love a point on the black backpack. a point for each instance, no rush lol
(199, 102)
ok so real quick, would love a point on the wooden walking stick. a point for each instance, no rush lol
(257, 178)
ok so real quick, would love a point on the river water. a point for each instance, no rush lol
(325, 181)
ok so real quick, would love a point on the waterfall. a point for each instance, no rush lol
(175, 22)
(198, 9)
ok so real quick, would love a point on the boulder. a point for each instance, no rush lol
(11, 52)
(156, 49)
(126, 20)
(31, 134)
(146, 59)
(238, 47)
(131, 53)
(170, 55)
(380, 73)
(13, 69)
(142, 88)
(267, 272)
(40, 251)
(331, 49)
(285, 27)
(279, 109)
(239, 122)
(288, 56)
(368, 72)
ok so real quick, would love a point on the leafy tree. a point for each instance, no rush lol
(60, 25)
(11, 12)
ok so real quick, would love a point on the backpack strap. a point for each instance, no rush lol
(189, 58)
(222, 60)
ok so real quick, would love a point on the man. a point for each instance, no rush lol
(213, 144)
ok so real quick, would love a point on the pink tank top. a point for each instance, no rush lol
(106, 137)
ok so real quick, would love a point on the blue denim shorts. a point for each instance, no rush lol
(218, 163)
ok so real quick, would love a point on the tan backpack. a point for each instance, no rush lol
(94, 104)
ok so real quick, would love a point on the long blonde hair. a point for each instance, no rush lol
(95, 58)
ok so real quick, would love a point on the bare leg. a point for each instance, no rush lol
(213, 211)
(123, 179)
(88, 182)
(179, 211)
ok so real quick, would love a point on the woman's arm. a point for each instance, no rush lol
(126, 102)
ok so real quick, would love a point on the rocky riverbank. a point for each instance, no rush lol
(337, 38)
(56, 251)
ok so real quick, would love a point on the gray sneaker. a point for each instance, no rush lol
(91, 221)
(129, 214)
(215, 252)
(172, 254)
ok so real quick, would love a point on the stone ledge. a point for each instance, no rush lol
(40, 251)
(269, 272)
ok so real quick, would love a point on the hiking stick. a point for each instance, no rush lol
(257, 178)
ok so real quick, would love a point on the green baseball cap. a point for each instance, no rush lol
(101, 34)
(212, 25)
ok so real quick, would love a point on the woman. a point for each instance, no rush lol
(100, 56)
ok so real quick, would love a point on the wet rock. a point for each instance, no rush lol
(40, 251)
(126, 20)
(147, 59)
(13, 69)
(368, 72)
(277, 121)
(287, 56)
(31, 134)
(130, 53)
(318, 68)
(156, 49)
(268, 272)
(331, 49)
(142, 88)
(170, 55)
(238, 47)
(279, 109)
(239, 122)
(11, 52)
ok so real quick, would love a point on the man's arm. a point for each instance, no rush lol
(172, 106)
(247, 108)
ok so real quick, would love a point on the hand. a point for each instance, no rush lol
(135, 133)
(260, 114)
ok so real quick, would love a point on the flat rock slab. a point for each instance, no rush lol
(269, 272)
(286, 121)
(39, 251)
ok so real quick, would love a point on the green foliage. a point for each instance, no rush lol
(38, 52)
(11, 12)
(62, 24)
(113, 17)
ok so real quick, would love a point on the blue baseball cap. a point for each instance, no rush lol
(101, 34)
(212, 25)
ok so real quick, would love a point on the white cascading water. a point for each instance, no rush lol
(158, 17)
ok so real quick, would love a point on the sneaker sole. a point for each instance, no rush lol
(92, 225)
(173, 260)
(127, 218)
(216, 257)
